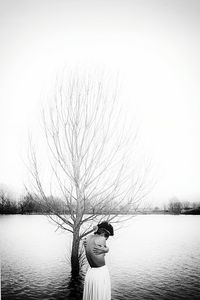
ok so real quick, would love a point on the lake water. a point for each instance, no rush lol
(151, 257)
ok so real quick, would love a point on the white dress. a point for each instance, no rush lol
(97, 284)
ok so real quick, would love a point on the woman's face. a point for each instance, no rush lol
(105, 235)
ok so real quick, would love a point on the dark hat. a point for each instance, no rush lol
(108, 227)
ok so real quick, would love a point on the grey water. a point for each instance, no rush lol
(150, 257)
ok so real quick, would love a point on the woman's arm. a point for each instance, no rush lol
(100, 249)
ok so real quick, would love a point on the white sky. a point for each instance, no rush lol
(153, 45)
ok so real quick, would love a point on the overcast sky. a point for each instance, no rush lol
(154, 46)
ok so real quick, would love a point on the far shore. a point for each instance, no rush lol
(157, 212)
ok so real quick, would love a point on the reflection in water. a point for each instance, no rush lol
(75, 288)
(151, 257)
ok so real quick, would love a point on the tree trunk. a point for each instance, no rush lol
(75, 265)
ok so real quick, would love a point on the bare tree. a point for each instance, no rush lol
(92, 166)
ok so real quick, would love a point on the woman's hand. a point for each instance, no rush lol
(100, 250)
(85, 242)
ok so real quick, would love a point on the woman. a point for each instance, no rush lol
(97, 280)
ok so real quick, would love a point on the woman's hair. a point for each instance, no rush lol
(105, 228)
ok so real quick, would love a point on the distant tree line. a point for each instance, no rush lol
(175, 206)
(30, 204)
